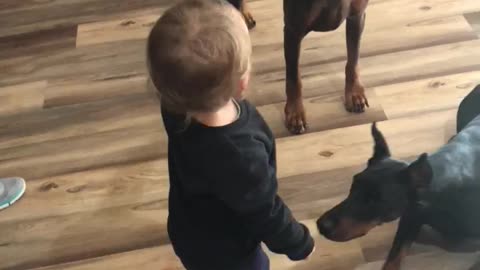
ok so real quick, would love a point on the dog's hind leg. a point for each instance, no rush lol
(469, 108)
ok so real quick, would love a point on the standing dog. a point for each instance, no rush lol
(441, 190)
(302, 17)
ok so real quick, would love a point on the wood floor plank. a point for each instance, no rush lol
(159, 258)
(68, 92)
(134, 111)
(338, 148)
(376, 71)
(324, 112)
(115, 30)
(474, 20)
(92, 190)
(434, 261)
(325, 189)
(59, 239)
(74, 91)
(32, 16)
(48, 40)
(103, 62)
(22, 98)
(378, 243)
(428, 95)
(388, 101)
(71, 155)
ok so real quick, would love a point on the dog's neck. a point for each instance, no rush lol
(458, 162)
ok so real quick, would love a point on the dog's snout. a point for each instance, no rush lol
(326, 226)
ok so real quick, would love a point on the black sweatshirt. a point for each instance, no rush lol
(223, 193)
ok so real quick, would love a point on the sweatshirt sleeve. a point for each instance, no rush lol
(246, 182)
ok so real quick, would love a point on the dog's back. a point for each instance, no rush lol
(469, 109)
(456, 183)
(458, 162)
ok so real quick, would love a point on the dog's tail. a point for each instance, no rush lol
(469, 108)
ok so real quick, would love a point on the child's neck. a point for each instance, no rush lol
(222, 117)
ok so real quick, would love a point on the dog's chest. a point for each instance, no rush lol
(454, 211)
(327, 15)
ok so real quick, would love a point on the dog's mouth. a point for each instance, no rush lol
(343, 238)
(356, 231)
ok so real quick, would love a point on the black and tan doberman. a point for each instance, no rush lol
(302, 17)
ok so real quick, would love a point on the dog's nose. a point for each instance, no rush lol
(326, 226)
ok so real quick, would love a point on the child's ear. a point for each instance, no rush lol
(381, 150)
(420, 172)
(243, 85)
(244, 81)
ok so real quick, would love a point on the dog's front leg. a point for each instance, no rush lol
(355, 98)
(295, 119)
(407, 232)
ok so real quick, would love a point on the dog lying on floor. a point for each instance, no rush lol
(441, 190)
(302, 17)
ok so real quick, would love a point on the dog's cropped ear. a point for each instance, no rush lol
(420, 172)
(381, 150)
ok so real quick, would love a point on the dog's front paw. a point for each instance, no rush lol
(355, 99)
(295, 119)
(251, 23)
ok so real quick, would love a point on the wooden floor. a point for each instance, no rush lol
(78, 121)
